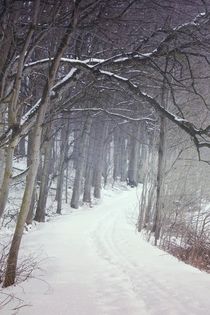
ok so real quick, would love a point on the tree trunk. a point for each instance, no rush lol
(134, 155)
(160, 176)
(59, 190)
(4, 191)
(100, 132)
(89, 167)
(26, 202)
(123, 159)
(43, 192)
(148, 189)
(88, 184)
(83, 145)
(63, 154)
(116, 171)
(35, 158)
(107, 161)
(33, 200)
(30, 215)
(77, 135)
(13, 111)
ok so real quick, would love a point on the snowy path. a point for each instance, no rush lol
(98, 265)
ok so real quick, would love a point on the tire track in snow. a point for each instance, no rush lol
(120, 286)
(146, 292)
(101, 266)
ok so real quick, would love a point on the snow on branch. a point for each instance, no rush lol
(99, 109)
(187, 126)
(164, 48)
(40, 62)
(184, 124)
(28, 119)
(94, 66)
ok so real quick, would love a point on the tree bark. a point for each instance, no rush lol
(30, 180)
(123, 159)
(63, 154)
(13, 112)
(160, 176)
(148, 189)
(100, 132)
(30, 215)
(83, 145)
(89, 167)
(116, 171)
(35, 158)
(4, 190)
(134, 155)
(43, 191)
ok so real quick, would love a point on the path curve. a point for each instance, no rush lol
(97, 264)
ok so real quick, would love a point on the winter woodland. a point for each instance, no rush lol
(105, 94)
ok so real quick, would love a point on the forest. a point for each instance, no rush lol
(100, 93)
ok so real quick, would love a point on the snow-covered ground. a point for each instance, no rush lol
(95, 263)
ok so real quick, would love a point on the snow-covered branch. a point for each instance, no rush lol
(111, 113)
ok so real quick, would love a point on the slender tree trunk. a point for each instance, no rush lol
(4, 191)
(63, 154)
(77, 134)
(30, 181)
(123, 159)
(33, 200)
(88, 184)
(89, 167)
(13, 112)
(116, 171)
(43, 192)
(35, 158)
(30, 215)
(83, 145)
(107, 157)
(143, 157)
(160, 176)
(134, 156)
(66, 182)
(148, 189)
(161, 165)
(100, 132)
(59, 191)
(143, 200)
